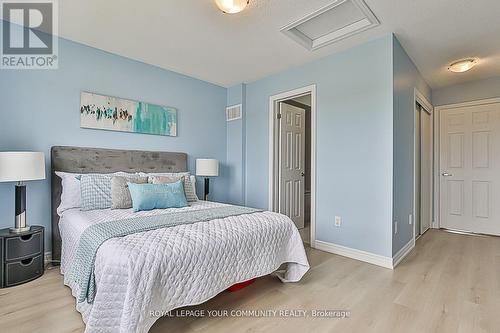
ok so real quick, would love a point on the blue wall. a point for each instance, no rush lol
(466, 92)
(40, 109)
(364, 131)
(406, 79)
(236, 147)
(354, 143)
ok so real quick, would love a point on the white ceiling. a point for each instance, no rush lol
(193, 37)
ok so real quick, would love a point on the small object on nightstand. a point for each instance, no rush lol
(21, 256)
(207, 168)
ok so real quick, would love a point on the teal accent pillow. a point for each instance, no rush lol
(157, 196)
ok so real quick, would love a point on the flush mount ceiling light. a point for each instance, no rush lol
(462, 65)
(232, 6)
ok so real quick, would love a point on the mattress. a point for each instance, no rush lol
(164, 269)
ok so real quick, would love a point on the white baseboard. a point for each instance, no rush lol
(371, 258)
(405, 250)
(47, 257)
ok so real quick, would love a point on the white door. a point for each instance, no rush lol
(470, 168)
(292, 160)
(425, 215)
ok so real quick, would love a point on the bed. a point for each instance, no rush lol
(139, 274)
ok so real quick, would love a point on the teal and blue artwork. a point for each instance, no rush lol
(118, 114)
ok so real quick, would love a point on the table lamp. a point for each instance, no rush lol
(207, 168)
(20, 167)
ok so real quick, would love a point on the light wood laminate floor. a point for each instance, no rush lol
(449, 283)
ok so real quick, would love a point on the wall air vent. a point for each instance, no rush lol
(338, 20)
(233, 112)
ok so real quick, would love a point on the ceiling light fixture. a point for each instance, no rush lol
(232, 6)
(462, 65)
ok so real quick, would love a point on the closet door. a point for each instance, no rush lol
(418, 187)
(425, 171)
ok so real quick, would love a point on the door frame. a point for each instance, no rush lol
(437, 148)
(420, 98)
(273, 181)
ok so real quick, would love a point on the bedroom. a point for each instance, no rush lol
(169, 71)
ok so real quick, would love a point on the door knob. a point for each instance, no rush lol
(302, 173)
(446, 174)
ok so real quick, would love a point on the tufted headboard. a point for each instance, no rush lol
(96, 160)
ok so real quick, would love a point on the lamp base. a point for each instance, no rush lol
(207, 189)
(20, 209)
(19, 230)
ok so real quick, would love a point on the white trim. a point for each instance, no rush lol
(273, 102)
(422, 100)
(413, 210)
(367, 22)
(437, 123)
(47, 257)
(371, 258)
(471, 103)
(405, 250)
(437, 149)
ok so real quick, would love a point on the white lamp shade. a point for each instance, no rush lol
(207, 167)
(21, 166)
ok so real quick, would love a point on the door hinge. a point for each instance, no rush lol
(278, 116)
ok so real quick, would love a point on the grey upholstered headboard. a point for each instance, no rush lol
(95, 160)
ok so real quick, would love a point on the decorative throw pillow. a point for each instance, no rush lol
(193, 183)
(157, 196)
(188, 185)
(166, 179)
(190, 189)
(96, 190)
(70, 195)
(120, 194)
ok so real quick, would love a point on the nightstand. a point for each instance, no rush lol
(21, 256)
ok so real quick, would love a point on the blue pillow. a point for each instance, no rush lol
(157, 196)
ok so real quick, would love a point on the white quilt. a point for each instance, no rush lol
(164, 269)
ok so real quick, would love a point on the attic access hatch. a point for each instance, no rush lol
(338, 20)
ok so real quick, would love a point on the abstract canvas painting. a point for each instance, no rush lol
(118, 114)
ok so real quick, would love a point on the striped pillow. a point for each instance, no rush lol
(96, 190)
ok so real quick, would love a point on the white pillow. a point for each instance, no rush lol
(190, 194)
(70, 196)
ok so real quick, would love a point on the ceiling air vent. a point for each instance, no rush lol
(338, 20)
(233, 112)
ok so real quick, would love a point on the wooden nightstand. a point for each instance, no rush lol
(21, 256)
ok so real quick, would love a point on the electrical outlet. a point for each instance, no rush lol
(338, 221)
(395, 227)
(410, 219)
